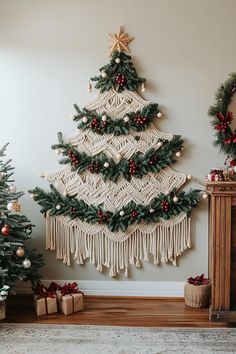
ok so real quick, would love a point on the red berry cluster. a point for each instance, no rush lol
(152, 160)
(97, 125)
(222, 126)
(134, 214)
(103, 217)
(132, 167)
(120, 79)
(165, 206)
(94, 167)
(140, 120)
(73, 158)
(231, 139)
(73, 210)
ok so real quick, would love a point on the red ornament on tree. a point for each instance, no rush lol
(140, 120)
(93, 167)
(73, 158)
(5, 230)
(103, 217)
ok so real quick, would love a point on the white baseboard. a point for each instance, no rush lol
(113, 288)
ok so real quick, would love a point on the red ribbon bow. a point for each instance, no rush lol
(44, 292)
(70, 288)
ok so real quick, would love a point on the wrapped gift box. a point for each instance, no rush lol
(45, 305)
(70, 299)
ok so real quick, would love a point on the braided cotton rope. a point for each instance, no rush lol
(92, 189)
(164, 240)
(126, 145)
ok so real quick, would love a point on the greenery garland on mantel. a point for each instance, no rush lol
(222, 118)
(161, 207)
(137, 166)
(103, 124)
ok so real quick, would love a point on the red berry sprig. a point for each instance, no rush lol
(73, 210)
(231, 139)
(94, 167)
(152, 160)
(73, 158)
(140, 120)
(165, 206)
(120, 79)
(103, 217)
(134, 214)
(132, 167)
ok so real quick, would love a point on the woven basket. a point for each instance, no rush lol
(197, 295)
(2, 310)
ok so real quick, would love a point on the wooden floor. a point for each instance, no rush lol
(117, 311)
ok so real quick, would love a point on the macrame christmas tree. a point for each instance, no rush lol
(116, 201)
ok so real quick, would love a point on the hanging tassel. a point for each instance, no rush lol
(143, 88)
(112, 272)
(99, 268)
(126, 272)
(137, 264)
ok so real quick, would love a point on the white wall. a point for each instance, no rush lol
(48, 51)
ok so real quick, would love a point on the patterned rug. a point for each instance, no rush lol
(40, 339)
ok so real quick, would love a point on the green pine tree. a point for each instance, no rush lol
(16, 261)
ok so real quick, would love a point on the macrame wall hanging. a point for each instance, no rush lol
(116, 201)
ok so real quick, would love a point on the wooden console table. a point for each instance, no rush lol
(222, 250)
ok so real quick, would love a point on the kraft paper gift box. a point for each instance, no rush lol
(45, 305)
(70, 303)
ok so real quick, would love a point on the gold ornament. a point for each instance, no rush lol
(20, 252)
(16, 206)
(120, 41)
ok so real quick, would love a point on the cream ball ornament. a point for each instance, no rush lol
(122, 213)
(205, 196)
(118, 156)
(178, 154)
(84, 119)
(58, 207)
(117, 60)
(106, 164)
(32, 195)
(159, 114)
(104, 118)
(151, 210)
(26, 264)
(10, 206)
(104, 74)
(57, 151)
(20, 252)
(175, 199)
(159, 144)
(189, 177)
(12, 188)
(126, 119)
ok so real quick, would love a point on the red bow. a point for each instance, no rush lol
(44, 292)
(70, 288)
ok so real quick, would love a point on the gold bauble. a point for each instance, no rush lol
(20, 252)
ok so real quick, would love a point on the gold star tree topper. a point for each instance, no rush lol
(119, 41)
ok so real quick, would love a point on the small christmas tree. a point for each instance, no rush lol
(16, 262)
(116, 201)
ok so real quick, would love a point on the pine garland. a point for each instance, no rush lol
(161, 207)
(225, 136)
(137, 166)
(118, 76)
(102, 124)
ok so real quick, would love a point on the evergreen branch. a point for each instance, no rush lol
(137, 166)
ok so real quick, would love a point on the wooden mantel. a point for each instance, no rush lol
(222, 250)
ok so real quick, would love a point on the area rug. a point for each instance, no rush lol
(40, 339)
